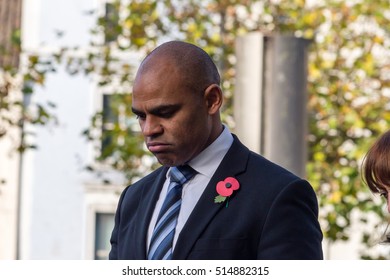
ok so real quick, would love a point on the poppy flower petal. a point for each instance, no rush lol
(223, 190)
(235, 185)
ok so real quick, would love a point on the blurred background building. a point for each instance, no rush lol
(61, 212)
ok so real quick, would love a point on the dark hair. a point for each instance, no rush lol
(376, 165)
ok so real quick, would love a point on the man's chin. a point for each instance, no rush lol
(168, 161)
(165, 161)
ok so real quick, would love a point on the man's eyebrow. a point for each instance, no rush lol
(164, 108)
(135, 111)
(158, 109)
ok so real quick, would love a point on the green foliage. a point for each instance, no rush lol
(16, 89)
(348, 99)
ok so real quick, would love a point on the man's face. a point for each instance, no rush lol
(174, 121)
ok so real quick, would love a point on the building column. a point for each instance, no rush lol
(271, 97)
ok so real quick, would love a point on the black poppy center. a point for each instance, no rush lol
(228, 185)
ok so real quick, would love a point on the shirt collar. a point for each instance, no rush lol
(209, 159)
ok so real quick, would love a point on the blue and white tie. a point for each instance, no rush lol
(162, 239)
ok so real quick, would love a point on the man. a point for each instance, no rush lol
(258, 211)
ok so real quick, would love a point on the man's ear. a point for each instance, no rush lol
(213, 97)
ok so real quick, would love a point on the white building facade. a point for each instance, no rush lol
(65, 212)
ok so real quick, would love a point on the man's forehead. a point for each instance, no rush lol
(152, 103)
(156, 63)
(156, 76)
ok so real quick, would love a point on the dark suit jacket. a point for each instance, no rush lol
(274, 215)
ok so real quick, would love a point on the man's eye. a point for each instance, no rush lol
(384, 194)
(139, 117)
(166, 115)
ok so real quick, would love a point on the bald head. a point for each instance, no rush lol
(177, 98)
(194, 65)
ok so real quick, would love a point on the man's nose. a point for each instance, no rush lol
(151, 126)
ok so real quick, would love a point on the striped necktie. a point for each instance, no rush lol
(162, 238)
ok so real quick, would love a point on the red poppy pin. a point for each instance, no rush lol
(225, 189)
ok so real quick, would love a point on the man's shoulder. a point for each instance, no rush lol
(254, 157)
(257, 169)
(261, 169)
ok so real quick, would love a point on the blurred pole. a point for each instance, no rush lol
(248, 98)
(20, 194)
(10, 40)
(19, 225)
(271, 97)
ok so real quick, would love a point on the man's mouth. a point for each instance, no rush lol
(157, 147)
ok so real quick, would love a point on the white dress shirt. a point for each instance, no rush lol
(206, 163)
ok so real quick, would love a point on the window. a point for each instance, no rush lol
(119, 126)
(111, 19)
(104, 224)
(110, 118)
(100, 206)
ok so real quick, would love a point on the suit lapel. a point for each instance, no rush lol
(150, 195)
(233, 164)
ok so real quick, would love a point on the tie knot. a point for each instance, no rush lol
(181, 174)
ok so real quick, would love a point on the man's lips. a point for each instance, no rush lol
(157, 147)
